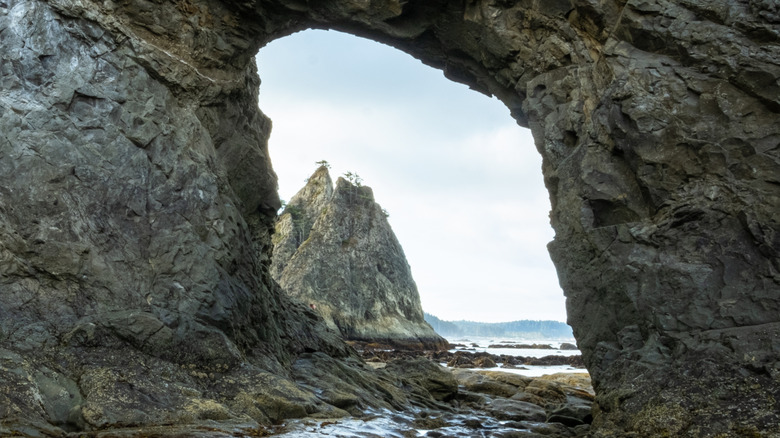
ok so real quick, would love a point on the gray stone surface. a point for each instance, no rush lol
(513, 410)
(435, 379)
(335, 250)
(133, 278)
(137, 200)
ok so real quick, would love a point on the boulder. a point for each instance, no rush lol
(549, 392)
(477, 382)
(578, 383)
(484, 362)
(438, 381)
(571, 415)
(513, 410)
(461, 360)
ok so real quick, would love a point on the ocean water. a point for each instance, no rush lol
(475, 344)
(389, 424)
(376, 424)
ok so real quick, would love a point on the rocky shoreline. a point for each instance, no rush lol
(409, 395)
(462, 358)
(465, 403)
(458, 400)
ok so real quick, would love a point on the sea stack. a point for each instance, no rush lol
(335, 251)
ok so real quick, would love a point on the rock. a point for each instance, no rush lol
(473, 423)
(61, 399)
(515, 380)
(427, 422)
(131, 280)
(439, 382)
(349, 385)
(494, 383)
(472, 399)
(461, 360)
(476, 382)
(335, 251)
(513, 410)
(567, 346)
(575, 361)
(137, 194)
(574, 381)
(484, 362)
(531, 398)
(557, 430)
(568, 405)
(549, 392)
(571, 415)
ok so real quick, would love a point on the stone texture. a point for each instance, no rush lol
(438, 381)
(334, 249)
(137, 198)
(136, 207)
(513, 410)
(511, 397)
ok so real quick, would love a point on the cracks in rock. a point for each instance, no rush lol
(613, 30)
(144, 341)
(176, 58)
(602, 256)
(737, 327)
(771, 105)
(684, 215)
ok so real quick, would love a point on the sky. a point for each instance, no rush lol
(462, 182)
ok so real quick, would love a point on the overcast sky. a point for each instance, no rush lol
(461, 181)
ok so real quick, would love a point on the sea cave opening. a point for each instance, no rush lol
(459, 178)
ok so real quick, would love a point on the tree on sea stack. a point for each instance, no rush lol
(354, 178)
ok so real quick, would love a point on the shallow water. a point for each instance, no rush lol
(380, 424)
(484, 343)
(534, 371)
(524, 370)
(388, 424)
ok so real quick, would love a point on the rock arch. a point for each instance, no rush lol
(137, 202)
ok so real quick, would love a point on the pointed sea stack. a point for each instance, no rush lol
(334, 249)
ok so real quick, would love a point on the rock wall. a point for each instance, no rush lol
(137, 198)
(658, 124)
(136, 206)
(335, 249)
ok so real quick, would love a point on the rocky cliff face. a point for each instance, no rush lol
(137, 197)
(334, 248)
(132, 238)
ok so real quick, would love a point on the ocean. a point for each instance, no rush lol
(476, 344)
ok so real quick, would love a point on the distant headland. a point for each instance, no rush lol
(529, 329)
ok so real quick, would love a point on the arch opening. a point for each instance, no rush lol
(461, 181)
(622, 153)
